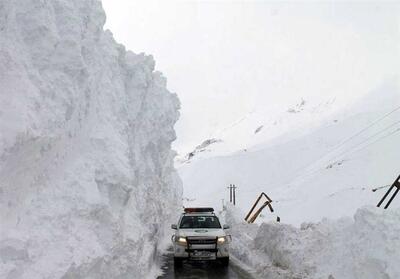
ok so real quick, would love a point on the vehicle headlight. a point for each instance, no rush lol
(181, 240)
(221, 239)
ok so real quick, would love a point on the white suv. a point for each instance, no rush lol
(199, 236)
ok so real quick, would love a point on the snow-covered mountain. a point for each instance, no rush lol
(314, 161)
(262, 125)
(87, 183)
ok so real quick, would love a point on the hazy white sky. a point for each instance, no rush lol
(224, 58)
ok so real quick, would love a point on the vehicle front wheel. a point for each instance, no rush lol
(177, 262)
(224, 261)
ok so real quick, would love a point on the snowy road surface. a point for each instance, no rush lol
(202, 270)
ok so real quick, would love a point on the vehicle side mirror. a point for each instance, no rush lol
(225, 227)
(174, 227)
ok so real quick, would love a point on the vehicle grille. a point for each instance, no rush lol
(202, 241)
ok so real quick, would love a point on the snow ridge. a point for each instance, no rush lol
(87, 183)
(363, 247)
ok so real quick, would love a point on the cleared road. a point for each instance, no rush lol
(203, 270)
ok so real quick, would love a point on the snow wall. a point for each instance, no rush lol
(87, 183)
(366, 246)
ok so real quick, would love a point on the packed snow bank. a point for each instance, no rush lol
(364, 247)
(87, 184)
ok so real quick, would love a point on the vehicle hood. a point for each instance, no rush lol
(201, 232)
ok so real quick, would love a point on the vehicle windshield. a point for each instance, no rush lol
(199, 222)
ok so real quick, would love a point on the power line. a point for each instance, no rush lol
(354, 151)
(367, 127)
(348, 139)
(366, 140)
(344, 142)
(379, 139)
(381, 187)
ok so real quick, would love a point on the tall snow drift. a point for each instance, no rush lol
(366, 246)
(87, 182)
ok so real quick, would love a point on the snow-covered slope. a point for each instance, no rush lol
(261, 125)
(87, 183)
(319, 170)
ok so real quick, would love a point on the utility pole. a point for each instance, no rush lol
(396, 184)
(230, 193)
(234, 194)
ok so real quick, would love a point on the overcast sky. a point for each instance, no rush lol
(224, 59)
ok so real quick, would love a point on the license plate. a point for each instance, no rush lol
(202, 254)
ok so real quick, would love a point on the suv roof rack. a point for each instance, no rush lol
(199, 210)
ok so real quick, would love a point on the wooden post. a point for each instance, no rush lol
(396, 184)
(234, 194)
(230, 193)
